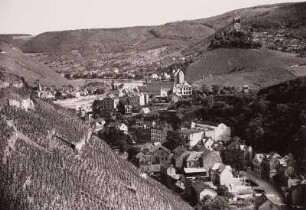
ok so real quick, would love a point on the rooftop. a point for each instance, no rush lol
(194, 170)
(194, 156)
(199, 186)
(190, 131)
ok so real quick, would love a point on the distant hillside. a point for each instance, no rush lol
(150, 48)
(255, 67)
(50, 160)
(13, 61)
(274, 18)
(125, 49)
(17, 40)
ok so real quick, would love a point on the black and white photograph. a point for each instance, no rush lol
(152, 105)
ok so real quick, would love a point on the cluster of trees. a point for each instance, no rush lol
(234, 38)
(271, 120)
(116, 138)
(173, 140)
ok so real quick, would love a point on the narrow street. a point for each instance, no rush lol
(266, 186)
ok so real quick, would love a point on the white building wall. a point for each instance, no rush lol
(226, 177)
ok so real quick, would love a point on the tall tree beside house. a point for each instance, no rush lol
(173, 140)
(173, 120)
(121, 107)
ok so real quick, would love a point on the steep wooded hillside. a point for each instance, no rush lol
(50, 160)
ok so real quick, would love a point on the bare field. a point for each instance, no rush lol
(83, 101)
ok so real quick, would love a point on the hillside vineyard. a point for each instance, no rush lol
(39, 170)
(201, 114)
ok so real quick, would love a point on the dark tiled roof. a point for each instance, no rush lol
(208, 123)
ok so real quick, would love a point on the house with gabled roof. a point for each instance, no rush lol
(192, 136)
(222, 175)
(194, 160)
(179, 155)
(150, 159)
(210, 158)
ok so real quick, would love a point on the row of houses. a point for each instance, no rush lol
(271, 167)
(191, 173)
(109, 104)
(199, 132)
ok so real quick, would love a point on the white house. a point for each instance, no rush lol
(216, 131)
(223, 175)
(25, 104)
(208, 143)
(154, 76)
(122, 127)
(143, 99)
(183, 89)
(193, 136)
(145, 110)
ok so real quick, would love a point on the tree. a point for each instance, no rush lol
(173, 140)
(121, 107)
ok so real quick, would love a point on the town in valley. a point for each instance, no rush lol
(204, 114)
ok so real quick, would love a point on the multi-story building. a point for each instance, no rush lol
(150, 159)
(192, 136)
(159, 131)
(107, 104)
(216, 131)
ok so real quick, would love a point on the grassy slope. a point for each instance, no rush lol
(257, 62)
(15, 62)
(39, 171)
